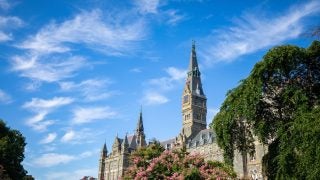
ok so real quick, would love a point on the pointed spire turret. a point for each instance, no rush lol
(193, 64)
(116, 145)
(193, 80)
(141, 141)
(104, 151)
(103, 155)
(125, 144)
(140, 123)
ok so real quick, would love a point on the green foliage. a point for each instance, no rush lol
(12, 145)
(279, 103)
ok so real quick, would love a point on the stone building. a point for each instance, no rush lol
(194, 135)
(113, 165)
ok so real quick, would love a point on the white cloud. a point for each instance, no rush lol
(91, 89)
(49, 138)
(136, 70)
(154, 95)
(47, 54)
(52, 159)
(147, 6)
(154, 98)
(173, 17)
(4, 97)
(41, 108)
(73, 175)
(81, 136)
(8, 22)
(47, 68)
(4, 4)
(253, 32)
(90, 28)
(89, 114)
(68, 136)
(168, 82)
(37, 104)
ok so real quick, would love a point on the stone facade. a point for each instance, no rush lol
(112, 166)
(194, 135)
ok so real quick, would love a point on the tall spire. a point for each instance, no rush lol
(194, 110)
(140, 136)
(125, 144)
(140, 123)
(104, 149)
(193, 65)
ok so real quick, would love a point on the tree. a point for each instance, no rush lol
(147, 163)
(279, 103)
(12, 145)
(232, 126)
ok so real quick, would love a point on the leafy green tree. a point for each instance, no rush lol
(12, 145)
(279, 104)
(232, 126)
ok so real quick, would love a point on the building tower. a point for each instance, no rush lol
(194, 101)
(103, 155)
(141, 138)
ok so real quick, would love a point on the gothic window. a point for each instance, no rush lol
(205, 141)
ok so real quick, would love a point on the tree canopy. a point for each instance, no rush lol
(278, 103)
(12, 145)
(153, 162)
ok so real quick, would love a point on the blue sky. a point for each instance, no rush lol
(74, 73)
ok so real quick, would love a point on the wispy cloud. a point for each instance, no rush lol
(90, 28)
(4, 4)
(5, 98)
(47, 54)
(173, 17)
(90, 89)
(147, 6)
(86, 115)
(49, 138)
(37, 104)
(7, 23)
(53, 159)
(157, 87)
(136, 70)
(80, 136)
(253, 32)
(73, 175)
(154, 98)
(47, 68)
(153, 7)
(68, 136)
(41, 108)
(168, 82)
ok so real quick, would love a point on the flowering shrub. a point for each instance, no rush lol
(174, 165)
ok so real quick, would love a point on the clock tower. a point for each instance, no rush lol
(194, 101)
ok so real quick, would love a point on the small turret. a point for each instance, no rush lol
(103, 155)
(125, 145)
(116, 147)
(141, 142)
